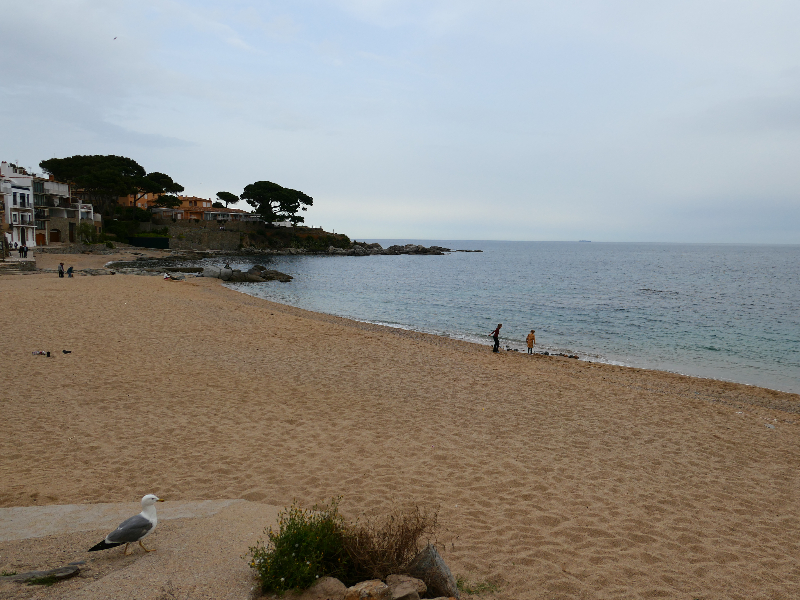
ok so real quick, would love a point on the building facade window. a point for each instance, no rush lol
(15, 199)
(14, 218)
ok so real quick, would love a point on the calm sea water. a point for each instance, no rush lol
(728, 312)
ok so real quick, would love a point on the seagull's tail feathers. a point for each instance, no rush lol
(104, 545)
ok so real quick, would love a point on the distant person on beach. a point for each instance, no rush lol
(60, 269)
(69, 271)
(531, 339)
(496, 337)
(25, 251)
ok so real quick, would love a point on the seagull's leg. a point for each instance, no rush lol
(126, 550)
(145, 549)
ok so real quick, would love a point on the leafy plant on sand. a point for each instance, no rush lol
(380, 546)
(307, 545)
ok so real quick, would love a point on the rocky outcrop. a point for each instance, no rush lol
(255, 274)
(429, 566)
(416, 249)
(364, 249)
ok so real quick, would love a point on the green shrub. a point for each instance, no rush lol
(310, 544)
(307, 545)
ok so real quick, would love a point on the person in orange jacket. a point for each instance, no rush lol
(531, 339)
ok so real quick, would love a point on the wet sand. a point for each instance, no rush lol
(555, 478)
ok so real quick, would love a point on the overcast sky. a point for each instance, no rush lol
(624, 120)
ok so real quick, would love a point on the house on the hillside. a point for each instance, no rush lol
(50, 200)
(231, 214)
(60, 211)
(192, 207)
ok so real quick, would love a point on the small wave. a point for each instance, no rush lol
(652, 291)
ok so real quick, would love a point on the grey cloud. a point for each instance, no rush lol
(43, 110)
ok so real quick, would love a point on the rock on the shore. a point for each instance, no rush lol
(405, 587)
(429, 566)
(364, 249)
(415, 249)
(374, 589)
(256, 274)
(327, 588)
(56, 574)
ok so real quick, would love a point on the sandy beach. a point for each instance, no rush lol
(554, 478)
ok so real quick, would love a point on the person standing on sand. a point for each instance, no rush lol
(69, 271)
(496, 337)
(531, 339)
(60, 269)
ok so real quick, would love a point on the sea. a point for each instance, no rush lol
(727, 312)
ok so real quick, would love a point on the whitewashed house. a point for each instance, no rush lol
(16, 186)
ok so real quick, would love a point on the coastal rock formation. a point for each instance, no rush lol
(429, 566)
(255, 274)
(374, 589)
(364, 249)
(416, 249)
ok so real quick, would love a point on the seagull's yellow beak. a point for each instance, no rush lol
(160, 500)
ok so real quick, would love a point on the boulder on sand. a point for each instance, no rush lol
(374, 589)
(405, 587)
(327, 588)
(429, 566)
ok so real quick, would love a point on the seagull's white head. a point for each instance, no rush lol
(149, 500)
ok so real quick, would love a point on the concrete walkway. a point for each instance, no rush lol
(200, 550)
(23, 522)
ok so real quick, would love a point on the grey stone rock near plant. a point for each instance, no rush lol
(374, 589)
(327, 588)
(402, 584)
(404, 590)
(429, 566)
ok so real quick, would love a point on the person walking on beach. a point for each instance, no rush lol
(69, 271)
(61, 269)
(531, 339)
(496, 337)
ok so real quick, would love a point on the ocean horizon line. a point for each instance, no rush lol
(408, 240)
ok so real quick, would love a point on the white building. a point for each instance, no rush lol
(16, 186)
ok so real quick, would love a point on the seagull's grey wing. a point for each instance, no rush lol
(130, 530)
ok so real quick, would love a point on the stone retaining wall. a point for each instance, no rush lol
(188, 238)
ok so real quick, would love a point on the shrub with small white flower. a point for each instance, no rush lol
(307, 545)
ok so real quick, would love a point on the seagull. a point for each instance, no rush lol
(133, 529)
